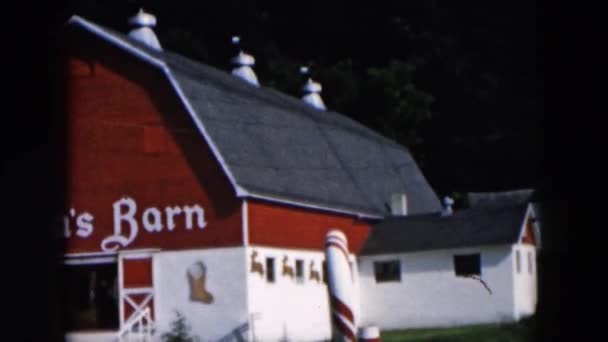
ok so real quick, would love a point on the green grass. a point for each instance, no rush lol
(521, 331)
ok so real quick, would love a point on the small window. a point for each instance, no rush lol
(270, 270)
(299, 270)
(386, 271)
(530, 263)
(518, 261)
(467, 265)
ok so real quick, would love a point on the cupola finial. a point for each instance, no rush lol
(143, 23)
(447, 206)
(311, 90)
(243, 64)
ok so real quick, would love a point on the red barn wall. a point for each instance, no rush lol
(291, 227)
(129, 136)
(528, 237)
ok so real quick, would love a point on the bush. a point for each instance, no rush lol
(180, 331)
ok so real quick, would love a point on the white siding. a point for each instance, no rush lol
(525, 282)
(430, 294)
(225, 280)
(287, 309)
(92, 336)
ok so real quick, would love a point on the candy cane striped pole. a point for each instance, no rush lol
(341, 290)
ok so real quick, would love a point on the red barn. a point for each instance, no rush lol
(193, 191)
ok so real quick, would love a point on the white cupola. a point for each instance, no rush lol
(142, 24)
(243, 64)
(311, 90)
(447, 206)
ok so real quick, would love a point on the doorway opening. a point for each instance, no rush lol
(91, 293)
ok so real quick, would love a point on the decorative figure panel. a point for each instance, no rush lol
(314, 274)
(256, 266)
(197, 277)
(287, 269)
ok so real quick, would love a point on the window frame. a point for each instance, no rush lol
(300, 271)
(270, 270)
(469, 262)
(385, 271)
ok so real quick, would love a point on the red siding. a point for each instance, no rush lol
(286, 226)
(129, 136)
(528, 237)
(137, 273)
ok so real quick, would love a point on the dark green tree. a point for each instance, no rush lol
(401, 107)
(180, 331)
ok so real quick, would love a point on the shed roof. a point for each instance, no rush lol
(464, 228)
(275, 147)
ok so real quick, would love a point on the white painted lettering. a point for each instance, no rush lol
(111, 243)
(156, 225)
(127, 220)
(66, 226)
(171, 212)
(84, 222)
(200, 213)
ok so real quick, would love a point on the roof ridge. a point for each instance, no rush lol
(284, 100)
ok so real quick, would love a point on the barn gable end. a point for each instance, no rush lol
(133, 146)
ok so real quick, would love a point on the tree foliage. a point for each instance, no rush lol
(180, 331)
(400, 105)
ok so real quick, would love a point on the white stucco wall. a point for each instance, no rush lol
(225, 280)
(430, 294)
(287, 309)
(92, 336)
(525, 290)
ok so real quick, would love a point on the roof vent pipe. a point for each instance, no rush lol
(142, 31)
(447, 206)
(311, 90)
(399, 204)
(242, 64)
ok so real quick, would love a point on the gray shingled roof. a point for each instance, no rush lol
(465, 228)
(275, 145)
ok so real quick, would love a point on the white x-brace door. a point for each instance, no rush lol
(136, 288)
